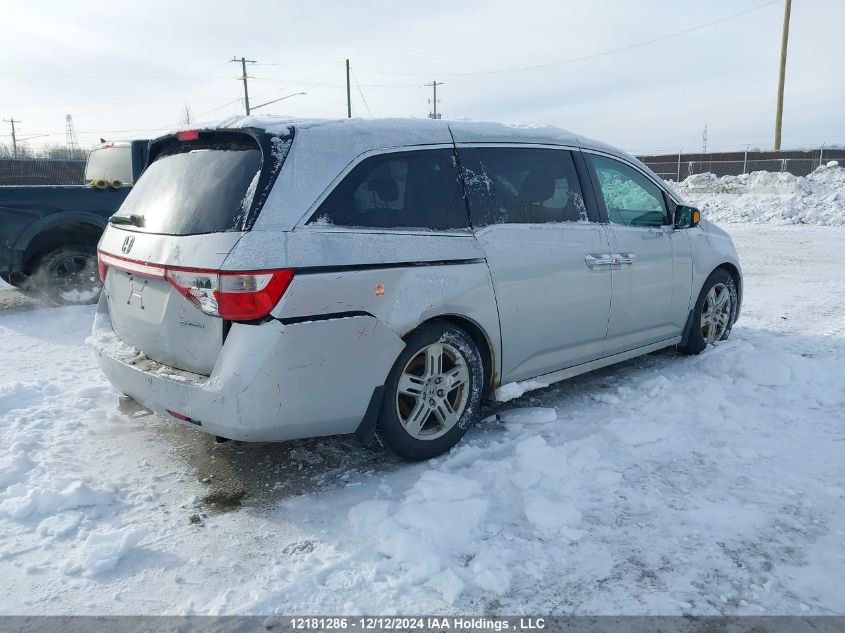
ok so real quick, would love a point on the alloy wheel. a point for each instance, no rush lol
(433, 391)
(716, 313)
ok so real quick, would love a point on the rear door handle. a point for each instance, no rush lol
(598, 261)
(608, 260)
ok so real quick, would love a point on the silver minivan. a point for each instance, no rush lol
(271, 279)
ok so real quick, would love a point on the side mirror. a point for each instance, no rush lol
(686, 217)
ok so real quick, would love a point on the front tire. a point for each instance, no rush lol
(714, 313)
(432, 393)
(68, 275)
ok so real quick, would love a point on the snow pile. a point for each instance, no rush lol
(451, 530)
(513, 390)
(762, 196)
(52, 494)
(102, 551)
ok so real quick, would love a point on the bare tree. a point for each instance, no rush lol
(46, 151)
(62, 151)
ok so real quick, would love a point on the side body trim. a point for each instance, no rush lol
(577, 370)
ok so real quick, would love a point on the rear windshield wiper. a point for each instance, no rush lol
(136, 220)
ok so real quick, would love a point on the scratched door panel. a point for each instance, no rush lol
(150, 315)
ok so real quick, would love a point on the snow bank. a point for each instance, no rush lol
(762, 196)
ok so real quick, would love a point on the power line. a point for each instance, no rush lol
(135, 99)
(68, 76)
(361, 92)
(339, 63)
(332, 85)
(572, 60)
(202, 114)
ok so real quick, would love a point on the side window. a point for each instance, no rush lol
(630, 197)
(415, 189)
(513, 185)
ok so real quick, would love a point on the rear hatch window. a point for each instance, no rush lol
(198, 182)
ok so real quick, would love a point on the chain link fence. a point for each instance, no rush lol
(41, 171)
(677, 167)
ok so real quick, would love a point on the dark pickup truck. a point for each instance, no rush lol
(49, 234)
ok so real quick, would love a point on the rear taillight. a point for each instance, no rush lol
(235, 296)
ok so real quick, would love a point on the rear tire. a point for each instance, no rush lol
(68, 275)
(432, 393)
(714, 313)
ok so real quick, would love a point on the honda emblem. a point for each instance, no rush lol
(127, 243)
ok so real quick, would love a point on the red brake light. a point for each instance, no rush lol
(236, 296)
(188, 135)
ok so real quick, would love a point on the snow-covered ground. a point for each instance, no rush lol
(712, 484)
(763, 196)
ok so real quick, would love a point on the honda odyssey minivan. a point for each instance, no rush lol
(271, 279)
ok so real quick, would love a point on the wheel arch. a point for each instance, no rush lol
(481, 340)
(71, 228)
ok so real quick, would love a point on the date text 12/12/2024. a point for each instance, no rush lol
(433, 623)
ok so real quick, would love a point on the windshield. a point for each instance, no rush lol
(110, 164)
(195, 188)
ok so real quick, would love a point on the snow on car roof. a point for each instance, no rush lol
(323, 148)
(391, 132)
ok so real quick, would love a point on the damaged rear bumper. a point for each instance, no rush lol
(271, 381)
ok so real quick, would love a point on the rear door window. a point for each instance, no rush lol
(412, 189)
(514, 185)
(196, 187)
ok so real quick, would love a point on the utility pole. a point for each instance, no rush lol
(704, 140)
(434, 115)
(348, 94)
(782, 75)
(243, 78)
(14, 138)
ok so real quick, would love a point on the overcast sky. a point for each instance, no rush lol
(127, 70)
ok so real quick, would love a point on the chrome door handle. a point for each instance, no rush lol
(607, 260)
(599, 261)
